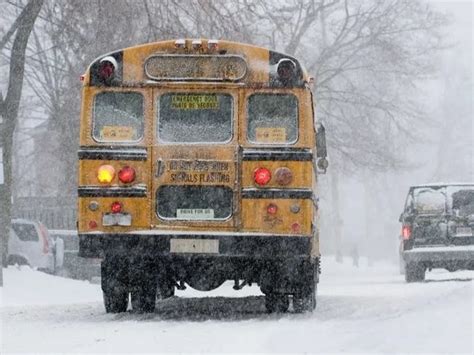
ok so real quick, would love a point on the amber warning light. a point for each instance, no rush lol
(106, 174)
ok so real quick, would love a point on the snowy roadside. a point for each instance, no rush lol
(359, 311)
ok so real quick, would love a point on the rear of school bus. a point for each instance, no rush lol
(197, 166)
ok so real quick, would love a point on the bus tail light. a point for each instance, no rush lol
(105, 174)
(127, 174)
(283, 176)
(107, 68)
(92, 224)
(272, 209)
(262, 176)
(406, 232)
(116, 207)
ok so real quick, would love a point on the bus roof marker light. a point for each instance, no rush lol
(213, 45)
(180, 43)
(197, 44)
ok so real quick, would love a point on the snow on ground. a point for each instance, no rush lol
(360, 310)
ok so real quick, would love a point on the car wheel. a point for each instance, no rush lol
(17, 260)
(114, 278)
(414, 272)
(401, 264)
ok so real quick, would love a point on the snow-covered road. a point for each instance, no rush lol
(360, 310)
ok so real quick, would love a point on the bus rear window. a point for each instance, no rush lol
(272, 119)
(195, 118)
(118, 117)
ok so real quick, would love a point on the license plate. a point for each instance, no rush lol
(206, 246)
(117, 219)
(464, 232)
(195, 213)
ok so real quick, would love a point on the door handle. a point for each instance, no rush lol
(160, 168)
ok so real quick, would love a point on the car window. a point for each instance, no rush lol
(430, 200)
(25, 232)
(462, 200)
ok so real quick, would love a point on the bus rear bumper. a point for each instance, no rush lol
(226, 244)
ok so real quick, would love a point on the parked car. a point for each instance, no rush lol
(437, 229)
(31, 244)
(74, 266)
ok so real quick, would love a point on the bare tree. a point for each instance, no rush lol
(9, 106)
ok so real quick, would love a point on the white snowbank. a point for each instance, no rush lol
(360, 310)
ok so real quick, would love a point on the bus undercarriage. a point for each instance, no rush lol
(144, 267)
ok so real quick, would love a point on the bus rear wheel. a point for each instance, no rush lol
(276, 302)
(114, 278)
(144, 286)
(305, 301)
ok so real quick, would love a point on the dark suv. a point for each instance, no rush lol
(437, 229)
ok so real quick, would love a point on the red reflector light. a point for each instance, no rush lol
(295, 227)
(406, 232)
(92, 224)
(262, 176)
(126, 175)
(272, 208)
(116, 207)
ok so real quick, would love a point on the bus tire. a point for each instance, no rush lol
(276, 302)
(144, 289)
(114, 280)
(143, 299)
(305, 299)
(165, 291)
(414, 272)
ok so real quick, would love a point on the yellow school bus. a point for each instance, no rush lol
(198, 164)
